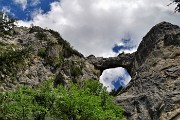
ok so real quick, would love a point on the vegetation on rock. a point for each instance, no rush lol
(177, 2)
(12, 59)
(6, 24)
(32, 55)
(88, 101)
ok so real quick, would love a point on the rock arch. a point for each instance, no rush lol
(122, 60)
(153, 92)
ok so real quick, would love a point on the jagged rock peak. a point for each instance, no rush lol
(160, 35)
(158, 32)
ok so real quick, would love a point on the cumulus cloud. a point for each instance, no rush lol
(95, 26)
(23, 3)
(36, 12)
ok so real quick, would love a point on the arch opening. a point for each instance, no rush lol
(115, 78)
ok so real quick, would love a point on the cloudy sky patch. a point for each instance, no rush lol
(115, 78)
(23, 3)
(104, 22)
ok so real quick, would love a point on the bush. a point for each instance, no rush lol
(88, 101)
(6, 24)
(42, 52)
(12, 59)
(68, 50)
(41, 35)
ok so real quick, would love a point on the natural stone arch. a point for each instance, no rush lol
(153, 91)
(122, 60)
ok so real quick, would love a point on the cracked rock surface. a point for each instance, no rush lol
(154, 91)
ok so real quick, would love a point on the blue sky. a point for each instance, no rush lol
(123, 46)
(99, 27)
(16, 8)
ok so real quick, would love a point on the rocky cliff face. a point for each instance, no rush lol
(30, 55)
(154, 91)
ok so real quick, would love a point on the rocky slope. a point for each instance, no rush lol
(30, 55)
(154, 91)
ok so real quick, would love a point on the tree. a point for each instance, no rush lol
(177, 2)
(6, 23)
(88, 101)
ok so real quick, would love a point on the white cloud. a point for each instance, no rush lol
(35, 2)
(36, 12)
(23, 3)
(110, 75)
(94, 26)
(6, 9)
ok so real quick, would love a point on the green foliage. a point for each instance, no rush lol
(76, 71)
(6, 24)
(41, 35)
(88, 101)
(177, 2)
(12, 59)
(42, 52)
(68, 50)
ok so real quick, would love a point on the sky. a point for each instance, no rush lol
(99, 27)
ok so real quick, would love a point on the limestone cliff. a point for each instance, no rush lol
(154, 91)
(30, 55)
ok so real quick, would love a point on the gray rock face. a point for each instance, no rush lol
(154, 91)
(33, 55)
(122, 60)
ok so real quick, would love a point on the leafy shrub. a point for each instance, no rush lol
(88, 101)
(42, 52)
(11, 59)
(41, 35)
(68, 50)
(6, 24)
(75, 71)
